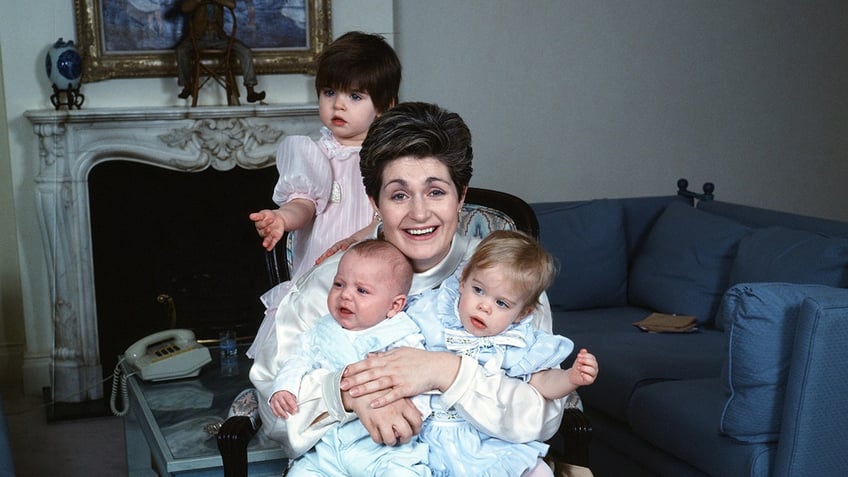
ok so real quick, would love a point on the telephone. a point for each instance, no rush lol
(168, 354)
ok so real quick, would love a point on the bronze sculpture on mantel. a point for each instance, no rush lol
(206, 32)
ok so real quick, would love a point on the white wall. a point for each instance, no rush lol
(567, 99)
(586, 99)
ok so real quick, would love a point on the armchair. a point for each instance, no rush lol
(484, 210)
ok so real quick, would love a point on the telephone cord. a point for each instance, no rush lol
(119, 383)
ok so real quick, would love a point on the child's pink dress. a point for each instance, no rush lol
(327, 173)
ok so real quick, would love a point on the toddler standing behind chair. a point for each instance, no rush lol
(320, 191)
(486, 314)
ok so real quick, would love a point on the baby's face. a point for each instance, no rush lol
(361, 293)
(489, 303)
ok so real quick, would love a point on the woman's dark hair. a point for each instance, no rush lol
(418, 130)
(363, 62)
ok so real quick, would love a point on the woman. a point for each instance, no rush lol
(416, 166)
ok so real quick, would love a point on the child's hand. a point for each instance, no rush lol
(283, 404)
(270, 226)
(584, 370)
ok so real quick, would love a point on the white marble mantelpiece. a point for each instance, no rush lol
(71, 143)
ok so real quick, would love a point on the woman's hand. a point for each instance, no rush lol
(397, 422)
(341, 245)
(403, 372)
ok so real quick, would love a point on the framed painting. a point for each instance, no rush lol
(136, 38)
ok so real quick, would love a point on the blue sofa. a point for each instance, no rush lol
(760, 388)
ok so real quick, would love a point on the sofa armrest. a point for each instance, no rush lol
(814, 426)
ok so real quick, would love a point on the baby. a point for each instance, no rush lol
(366, 304)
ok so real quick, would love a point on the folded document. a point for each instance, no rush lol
(666, 323)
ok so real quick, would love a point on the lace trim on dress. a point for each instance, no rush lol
(335, 149)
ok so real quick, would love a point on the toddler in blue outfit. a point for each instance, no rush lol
(486, 314)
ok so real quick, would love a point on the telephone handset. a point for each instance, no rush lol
(168, 354)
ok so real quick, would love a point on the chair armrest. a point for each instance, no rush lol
(233, 437)
(236, 432)
(571, 442)
(277, 261)
(6, 464)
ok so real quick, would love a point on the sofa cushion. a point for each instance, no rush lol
(777, 254)
(758, 217)
(684, 265)
(630, 358)
(662, 413)
(587, 239)
(760, 320)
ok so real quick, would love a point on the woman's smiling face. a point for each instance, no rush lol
(420, 206)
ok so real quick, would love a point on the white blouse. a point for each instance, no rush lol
(503, 407)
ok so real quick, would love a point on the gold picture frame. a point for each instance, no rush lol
(135, 39)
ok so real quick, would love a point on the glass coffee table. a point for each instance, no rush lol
(168, 423)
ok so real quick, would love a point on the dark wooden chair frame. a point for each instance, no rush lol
(571, 444)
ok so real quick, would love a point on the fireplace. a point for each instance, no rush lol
(157, 171)
(175, 250)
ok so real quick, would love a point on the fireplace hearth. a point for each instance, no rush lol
(142, 228)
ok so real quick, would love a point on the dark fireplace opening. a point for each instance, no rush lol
(163, 238)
